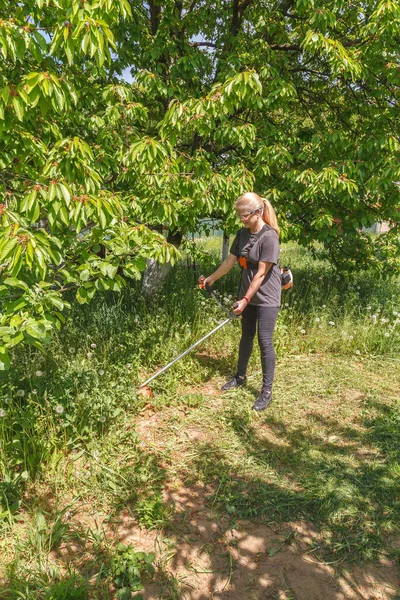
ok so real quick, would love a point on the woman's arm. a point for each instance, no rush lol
(223, 269)
(263, 268)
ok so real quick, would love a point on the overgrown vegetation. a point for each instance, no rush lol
(72, 453)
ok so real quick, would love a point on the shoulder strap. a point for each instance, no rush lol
(251, 243)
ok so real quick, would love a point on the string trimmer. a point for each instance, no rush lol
(144, 389)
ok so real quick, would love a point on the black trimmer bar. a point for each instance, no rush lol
(144, 390)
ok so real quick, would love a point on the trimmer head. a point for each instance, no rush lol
(144, 391)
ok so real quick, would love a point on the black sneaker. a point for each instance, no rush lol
(263, 401)
(234, 383)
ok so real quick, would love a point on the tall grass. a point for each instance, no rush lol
(90, 371)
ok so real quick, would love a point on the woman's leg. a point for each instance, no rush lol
(249, 328)
(267, 316)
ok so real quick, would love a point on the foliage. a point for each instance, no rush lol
(128, 568)
(297, 100)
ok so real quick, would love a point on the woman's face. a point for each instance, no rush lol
(248, 215)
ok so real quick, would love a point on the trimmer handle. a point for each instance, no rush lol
(205, 286)
(202, 285)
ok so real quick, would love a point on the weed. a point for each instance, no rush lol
(153, 513)
(129, 569)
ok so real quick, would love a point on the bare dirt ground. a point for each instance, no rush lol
(208, 558)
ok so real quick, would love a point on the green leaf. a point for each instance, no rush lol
(15, 305)
(36, 330)
(4, 359)
(65, 193)
(13, 282)
(18, 107)
(81, 295)
(84, 275)
(7, 248)
(41, 41)
(56, 301)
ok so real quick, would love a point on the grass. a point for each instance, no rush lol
(77, 443)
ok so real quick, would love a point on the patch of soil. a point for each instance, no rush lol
(209, 559)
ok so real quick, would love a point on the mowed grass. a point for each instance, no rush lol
(73, 433)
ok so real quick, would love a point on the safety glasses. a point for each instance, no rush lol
(248, 214)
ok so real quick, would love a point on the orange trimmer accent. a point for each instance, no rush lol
(242, 262)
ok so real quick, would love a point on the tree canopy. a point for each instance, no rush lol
(296, 99)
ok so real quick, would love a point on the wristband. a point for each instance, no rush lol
(247, 300)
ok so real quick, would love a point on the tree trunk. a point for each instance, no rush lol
(155, 274)
(225, 246)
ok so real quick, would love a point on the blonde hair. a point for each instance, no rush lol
(252, 201)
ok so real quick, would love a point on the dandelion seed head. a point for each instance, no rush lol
(2, 413)
(303, 331)
(290, 316)
(59, 409)
(317, 319)
(101, 372)
(387, 334)
(21, 393)
(357, 352)
(331, 323)
(102, 419)
(93, 345)
(39, 373)
(324, 306)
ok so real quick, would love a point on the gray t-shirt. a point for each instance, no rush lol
(261, 246)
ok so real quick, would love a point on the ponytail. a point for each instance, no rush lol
(269, 216)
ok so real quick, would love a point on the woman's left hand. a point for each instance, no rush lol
(240, 308)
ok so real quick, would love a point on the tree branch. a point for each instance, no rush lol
(199, 44)
(155, 11)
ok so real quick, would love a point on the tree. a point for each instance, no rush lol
(295, 99)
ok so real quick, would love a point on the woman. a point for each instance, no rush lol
(256, 247)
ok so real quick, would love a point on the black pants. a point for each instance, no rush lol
(266, 317)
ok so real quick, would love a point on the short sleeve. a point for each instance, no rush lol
(269, 250)
(235, 246)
